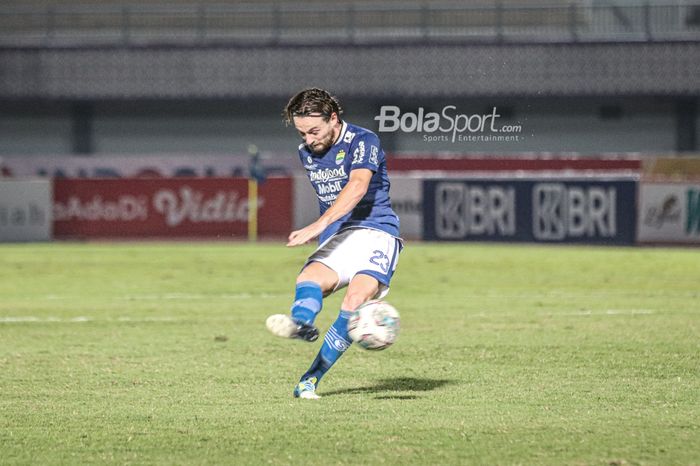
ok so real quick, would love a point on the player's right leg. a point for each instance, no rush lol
(313, 283)
(362, 288)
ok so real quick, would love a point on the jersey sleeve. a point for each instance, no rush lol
(367, 153)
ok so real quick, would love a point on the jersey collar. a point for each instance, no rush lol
(341, 136)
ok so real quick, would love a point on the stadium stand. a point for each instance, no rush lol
(84, 23)
(90, 64)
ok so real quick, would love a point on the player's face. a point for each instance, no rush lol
(318, 134)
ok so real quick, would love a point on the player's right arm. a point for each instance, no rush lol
(351, 194)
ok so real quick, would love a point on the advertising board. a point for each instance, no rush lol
(534, 210)
(669, 212)
(168, 207)
(25, 210)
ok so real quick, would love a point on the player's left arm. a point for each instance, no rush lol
(347, 199)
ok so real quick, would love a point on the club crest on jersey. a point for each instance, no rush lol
(309, 159)
(339, 157)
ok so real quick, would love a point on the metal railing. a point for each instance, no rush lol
(347, 23)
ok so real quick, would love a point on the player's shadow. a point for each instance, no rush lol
(398, 384)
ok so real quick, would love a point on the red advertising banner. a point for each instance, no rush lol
(168, 207)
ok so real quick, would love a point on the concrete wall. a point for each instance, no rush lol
(423, 70)
(588, 126)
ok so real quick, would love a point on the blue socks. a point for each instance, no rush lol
(308, 301)
(336, 342)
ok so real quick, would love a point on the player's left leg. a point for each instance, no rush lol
(361, 288)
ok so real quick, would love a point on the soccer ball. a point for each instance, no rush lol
(374, 325)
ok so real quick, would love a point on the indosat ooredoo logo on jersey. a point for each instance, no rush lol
(450, 125)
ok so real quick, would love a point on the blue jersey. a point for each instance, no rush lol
(329, 173)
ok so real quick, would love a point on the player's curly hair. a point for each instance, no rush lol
(312, 102)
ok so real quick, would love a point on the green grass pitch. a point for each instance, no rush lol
(150, 353)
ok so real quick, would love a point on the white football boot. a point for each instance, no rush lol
(284, 326)
(306, 389)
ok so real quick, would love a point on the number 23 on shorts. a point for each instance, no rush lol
(380, 259)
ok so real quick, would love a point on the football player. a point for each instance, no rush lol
(357, 230)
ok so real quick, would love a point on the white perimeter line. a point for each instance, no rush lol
(168, 296)
(83, 319)
(200, 296)
(611, 312)
(79, 320)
